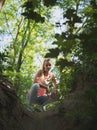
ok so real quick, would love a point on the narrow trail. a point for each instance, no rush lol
(67, 116)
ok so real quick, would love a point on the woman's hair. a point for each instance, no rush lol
(46, 60)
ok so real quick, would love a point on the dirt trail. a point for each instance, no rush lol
(66, 116)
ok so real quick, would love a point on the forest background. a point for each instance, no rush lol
(65, 31)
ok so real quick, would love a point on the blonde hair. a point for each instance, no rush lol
(46, 60)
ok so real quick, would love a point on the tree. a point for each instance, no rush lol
(1, 3)
(76, 55)
(27, 37)
(76, 46)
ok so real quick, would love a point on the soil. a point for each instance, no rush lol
(66, 116)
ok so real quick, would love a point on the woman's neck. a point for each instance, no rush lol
(46, 73)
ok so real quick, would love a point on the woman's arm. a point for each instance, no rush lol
(54, 80)
(39, 78)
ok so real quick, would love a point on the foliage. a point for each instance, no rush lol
(74, 49)
(50, 2)
(27, 39)
(30, 13)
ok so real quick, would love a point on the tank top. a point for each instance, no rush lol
(48, 80)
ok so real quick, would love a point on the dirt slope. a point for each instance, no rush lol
(67, 116)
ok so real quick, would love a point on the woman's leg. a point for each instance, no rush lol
(32, 97)
(42, 101)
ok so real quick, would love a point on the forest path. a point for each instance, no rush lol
(66, 116)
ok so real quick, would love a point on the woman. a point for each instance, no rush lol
(39, 93)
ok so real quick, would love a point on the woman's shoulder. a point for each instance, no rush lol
(40, 72)
(52, 75)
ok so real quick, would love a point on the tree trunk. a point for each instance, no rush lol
(1, 4)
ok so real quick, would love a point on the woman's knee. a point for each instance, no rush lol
(36, 86)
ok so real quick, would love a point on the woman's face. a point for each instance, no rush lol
(47, 66)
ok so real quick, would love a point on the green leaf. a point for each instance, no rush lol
(53, 53)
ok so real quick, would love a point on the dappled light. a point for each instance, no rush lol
(64, 89)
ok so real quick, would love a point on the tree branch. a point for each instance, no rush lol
(1, 4)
